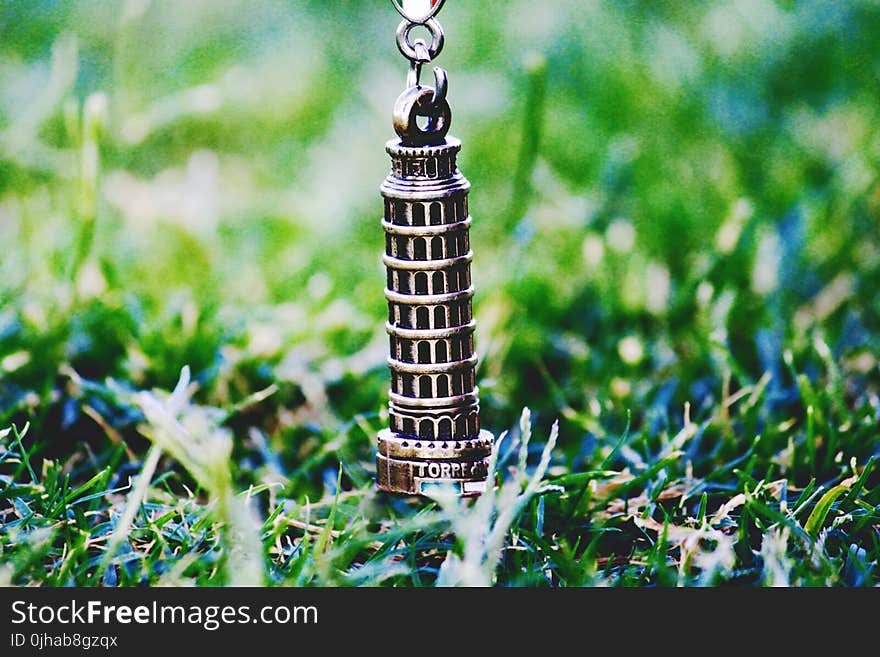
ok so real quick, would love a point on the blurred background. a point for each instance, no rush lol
(670, 200)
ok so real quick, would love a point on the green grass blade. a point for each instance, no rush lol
(823, 507)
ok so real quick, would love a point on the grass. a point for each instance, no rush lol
(676, 235)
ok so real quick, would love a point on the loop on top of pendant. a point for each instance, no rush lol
(408, 48)
(417, 102)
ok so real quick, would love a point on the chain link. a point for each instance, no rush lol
(408, 48)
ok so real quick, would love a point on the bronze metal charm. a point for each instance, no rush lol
(435, 436)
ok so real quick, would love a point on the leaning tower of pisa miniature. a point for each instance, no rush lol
(435, 435)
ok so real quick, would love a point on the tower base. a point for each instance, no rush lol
(416, 466)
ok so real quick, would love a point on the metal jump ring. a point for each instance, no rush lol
(408, 49)
(441, 86)
(441, 81)
(415, 65)
(414, 75)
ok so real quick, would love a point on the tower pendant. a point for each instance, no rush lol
(434, 438)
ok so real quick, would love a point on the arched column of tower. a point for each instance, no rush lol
(430, 324)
